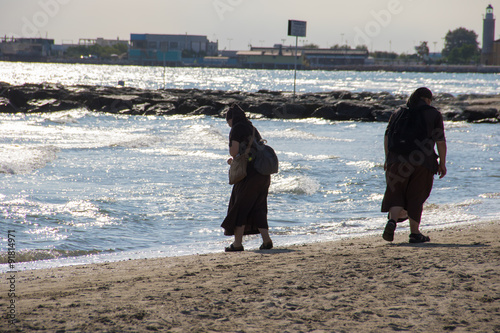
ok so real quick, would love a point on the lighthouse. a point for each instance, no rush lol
(488, 35)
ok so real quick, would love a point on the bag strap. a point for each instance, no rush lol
(253, 132)
(250, 142)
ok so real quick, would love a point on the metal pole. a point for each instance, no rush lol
(295, 70)
(164, 70)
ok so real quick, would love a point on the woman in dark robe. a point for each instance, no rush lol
(247, 211)
(410, 177)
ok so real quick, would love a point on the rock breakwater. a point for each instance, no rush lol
(332, 105)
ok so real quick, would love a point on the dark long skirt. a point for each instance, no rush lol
(408, 186)
(248, 205)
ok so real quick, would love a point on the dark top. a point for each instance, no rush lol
(435, 132)
(242, 133)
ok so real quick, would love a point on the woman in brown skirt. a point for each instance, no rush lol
(410, 176)
(247, 211)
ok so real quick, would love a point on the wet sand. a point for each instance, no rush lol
(355, 285)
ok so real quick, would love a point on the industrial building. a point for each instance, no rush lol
(155, 49)
(25, 49)
(327, 58)
(284, 57)
(276, 57)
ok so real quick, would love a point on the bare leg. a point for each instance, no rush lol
(238, 236)
(390, 227)
(396, 212)
(414, 226)
(265, 235)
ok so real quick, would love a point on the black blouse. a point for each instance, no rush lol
(242, 132)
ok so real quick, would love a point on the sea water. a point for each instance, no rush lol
(81, 187)
(247, 80)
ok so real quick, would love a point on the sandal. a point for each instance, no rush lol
(266, 246)
(388, 234)
(232, 248)
(419, 238)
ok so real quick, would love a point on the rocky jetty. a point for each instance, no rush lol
(332, 105)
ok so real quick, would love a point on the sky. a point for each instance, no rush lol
(382, 25)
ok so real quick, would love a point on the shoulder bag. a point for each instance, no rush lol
(238, 168)
(266, 161)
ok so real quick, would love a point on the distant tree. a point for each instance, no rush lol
(384, 55)
(461, 46)
(311, 46)
(340, 47)
(423, 50)
(408, 57)
(103, 52)
(362, 47)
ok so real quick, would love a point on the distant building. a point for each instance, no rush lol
(101, 41)
(325, 58)
(276, 57)
(154, 49)
(284, 57)
(25, 48)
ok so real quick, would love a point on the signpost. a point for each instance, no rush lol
(297, 29)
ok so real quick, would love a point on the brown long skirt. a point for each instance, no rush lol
(248, 205)
(408, 186)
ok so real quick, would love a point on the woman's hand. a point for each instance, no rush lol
(442, 170)
(230, 160)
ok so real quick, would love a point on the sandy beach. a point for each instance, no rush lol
(355, 285)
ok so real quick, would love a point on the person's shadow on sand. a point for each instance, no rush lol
(442, 245)
(273, 251)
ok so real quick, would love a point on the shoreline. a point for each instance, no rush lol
(364, 284)
(55, 261)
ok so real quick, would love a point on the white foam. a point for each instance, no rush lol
(490, 195)
(363, 165)
(16, 159)
(294, 184)
(135, 141)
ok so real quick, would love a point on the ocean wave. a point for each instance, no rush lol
(364, 165)
(82, 213)
(377, 197)
(308, 157)
(16, 159)
(448, 125)
(206, 135)
(173, 151)
(136, 141)
(449, 213)
(46, 254)
(65, 117)
(286, 166)
(490, 195)
(453, 206)
(293, 133)
(294, 185)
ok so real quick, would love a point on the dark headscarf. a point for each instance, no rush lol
(237, 114)
(417, 95)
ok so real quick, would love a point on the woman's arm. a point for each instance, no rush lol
(233, 150)
(441, 147)
(386, 150)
